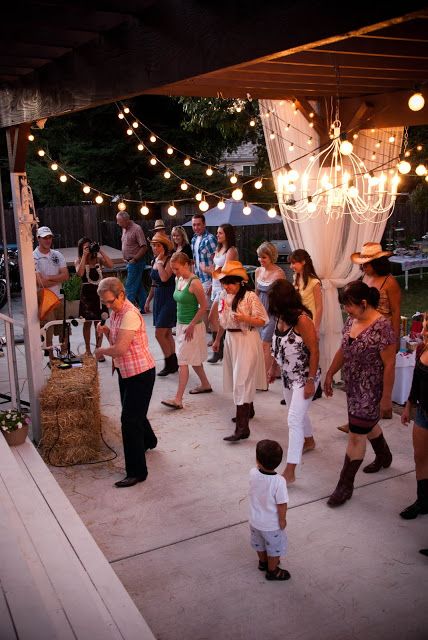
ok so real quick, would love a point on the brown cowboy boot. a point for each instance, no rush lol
(252, 412)
(345, 486)
(242, 429)
(383, 455)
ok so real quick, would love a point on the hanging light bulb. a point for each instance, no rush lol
(198, 196)
(140, 147)
(416, 101)
(407, 154)
(203, 205)
(237, 194)
(419, 147)
(184, 186)
(170, 151)
(309, 140)
(272, 135)
(129, 132)
(144, 210)
(209, 171)
(246, 210)
(233, 179)
(311, 124)
(377, 145)
(135, 124)
(99, 199)
(167, 174)
(41, 153)
(291, 147)
(152, 138)
(187, 162)
(86, 189)
(63, 178)
(293, 175)
(258, 184)
(31, 137)
(153, 160)
(312, 207)
(272, 212)
(421, 170)
(120, 115)
(391, 139)
(355, 136)
(404, 167)
(346, 147)
(121, 206)
(252, 123)
(54, 166)
(126, 110)
(221, 205)
(172, 210)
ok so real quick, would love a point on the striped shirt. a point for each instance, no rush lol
(138, 358)
(205, 254)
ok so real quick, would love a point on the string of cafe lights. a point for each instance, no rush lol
(237, 193)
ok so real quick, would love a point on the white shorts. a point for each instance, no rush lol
(192, 352)
(275, 543)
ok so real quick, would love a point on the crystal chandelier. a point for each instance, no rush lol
(336, 182)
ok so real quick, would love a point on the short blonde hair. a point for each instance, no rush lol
(111, 284)
(268, 249)
(181, 257)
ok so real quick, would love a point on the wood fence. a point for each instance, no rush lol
(70, 223)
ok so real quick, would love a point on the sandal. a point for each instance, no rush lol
(172, 404)
(278, 574)
(200, 390)
(263, 565)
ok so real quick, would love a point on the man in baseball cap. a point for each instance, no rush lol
(44, 232)
(51, 272)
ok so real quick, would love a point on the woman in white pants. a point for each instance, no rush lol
(295, 349)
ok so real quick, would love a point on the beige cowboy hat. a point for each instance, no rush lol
(162, 239)
(159, 225)
(231, 268)
(370, 251)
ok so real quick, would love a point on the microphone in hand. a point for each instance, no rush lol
(104, 318)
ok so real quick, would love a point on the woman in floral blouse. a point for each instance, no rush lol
(295, 349)
(240, 312)
(367, 359)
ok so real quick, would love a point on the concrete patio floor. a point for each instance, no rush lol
(179, 541)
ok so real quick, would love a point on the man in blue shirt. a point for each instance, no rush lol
(204, 245)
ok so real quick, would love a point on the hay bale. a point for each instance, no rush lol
(70, 415)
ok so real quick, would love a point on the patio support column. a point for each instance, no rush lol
(25, 220)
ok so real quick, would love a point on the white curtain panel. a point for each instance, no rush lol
(330, 244)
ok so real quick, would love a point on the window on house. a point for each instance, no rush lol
(248, 170)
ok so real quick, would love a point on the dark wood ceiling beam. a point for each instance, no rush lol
(360, 119)
(291, 68)
(305, 107)
(389, 110)
(148, 51)
(405, 53)
(316, 76)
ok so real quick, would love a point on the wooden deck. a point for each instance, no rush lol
(55, 582)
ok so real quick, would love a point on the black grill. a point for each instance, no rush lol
(284, 250)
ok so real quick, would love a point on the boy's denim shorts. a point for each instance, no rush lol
(421, 418)
(275, 543)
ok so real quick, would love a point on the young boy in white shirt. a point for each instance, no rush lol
(268, 499)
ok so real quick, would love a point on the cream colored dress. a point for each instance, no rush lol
(243, 360)
(307, 293)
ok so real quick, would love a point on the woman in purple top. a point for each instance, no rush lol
(367, 359)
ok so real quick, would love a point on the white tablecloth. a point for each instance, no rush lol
(404, 365)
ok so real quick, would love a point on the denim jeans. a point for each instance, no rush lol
(134, 287)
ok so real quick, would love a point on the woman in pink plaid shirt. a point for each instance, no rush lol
(136, 370)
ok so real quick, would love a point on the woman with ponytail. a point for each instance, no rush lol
(367, 359)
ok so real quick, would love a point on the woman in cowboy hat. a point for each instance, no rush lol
(164, 307)
(240, 312)
(376, 270)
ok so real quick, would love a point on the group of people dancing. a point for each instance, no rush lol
(260, 335)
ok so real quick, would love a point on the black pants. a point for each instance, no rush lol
(137, 433)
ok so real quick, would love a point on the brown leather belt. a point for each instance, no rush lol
(233, 330)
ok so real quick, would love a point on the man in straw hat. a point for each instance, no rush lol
(51, 272)
(159, 226)
(134, 248)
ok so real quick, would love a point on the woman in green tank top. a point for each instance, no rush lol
(191, 345)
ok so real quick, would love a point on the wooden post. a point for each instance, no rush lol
(25, 220)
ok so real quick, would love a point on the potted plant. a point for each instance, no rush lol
(14, 426)
(71, 289)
